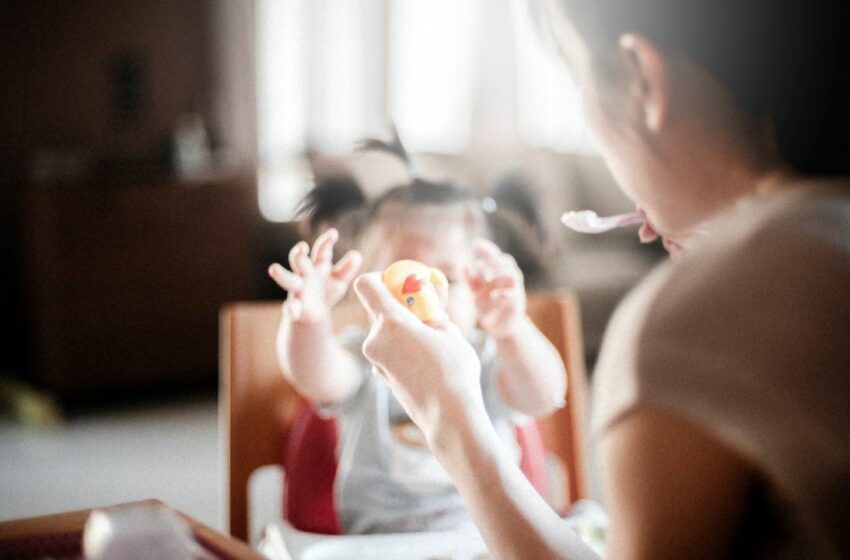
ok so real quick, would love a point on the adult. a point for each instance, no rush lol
(723, 386)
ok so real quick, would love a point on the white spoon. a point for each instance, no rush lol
(587, 221)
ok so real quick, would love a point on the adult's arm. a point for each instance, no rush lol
(435, 374)
(510, 514)
(674, 491)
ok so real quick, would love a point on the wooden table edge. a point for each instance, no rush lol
(74, 521)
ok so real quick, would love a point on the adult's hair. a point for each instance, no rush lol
(785, 59)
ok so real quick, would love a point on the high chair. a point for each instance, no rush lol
(264, 422)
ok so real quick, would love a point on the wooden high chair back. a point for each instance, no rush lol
(258, 407)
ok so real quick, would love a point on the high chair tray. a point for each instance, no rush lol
(281, 541)
(59, 537)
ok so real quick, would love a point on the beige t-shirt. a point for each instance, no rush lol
(748, 337)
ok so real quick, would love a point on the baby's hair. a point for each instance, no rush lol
(512, 191)
(340, 199)
(419, 191)
(516, 226)
(330, 199)
(394, 147)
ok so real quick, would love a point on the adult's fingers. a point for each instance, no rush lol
(323, 247)
(440, 320)
(375, 296)
(347, 266)
(286, 279)
(299, 260)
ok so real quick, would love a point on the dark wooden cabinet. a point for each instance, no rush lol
(123, 284)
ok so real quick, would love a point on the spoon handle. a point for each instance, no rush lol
(586, 221)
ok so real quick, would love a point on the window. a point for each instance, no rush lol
(549, 111)
(431, 58)
(331, 72)
(318, 69)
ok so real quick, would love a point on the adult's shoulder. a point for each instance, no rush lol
(783, 256)
(764, 302)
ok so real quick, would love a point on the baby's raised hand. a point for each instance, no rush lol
(498, 287)
(315, 284)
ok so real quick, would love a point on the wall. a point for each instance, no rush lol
(66, 85)
(102, 81)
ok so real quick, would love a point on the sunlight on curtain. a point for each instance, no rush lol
(314, 59)
(282, 61)
(337, 116)
(331, 72)
(549, 108)
(432, 50)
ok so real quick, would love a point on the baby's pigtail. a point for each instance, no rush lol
(331, 199)
(394, 147)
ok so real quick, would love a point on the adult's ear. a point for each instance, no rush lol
(646, 71)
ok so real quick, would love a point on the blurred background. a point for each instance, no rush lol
(152, 154)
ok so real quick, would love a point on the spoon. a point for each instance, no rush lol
(587, 221)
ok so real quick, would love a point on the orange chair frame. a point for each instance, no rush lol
(257, 406)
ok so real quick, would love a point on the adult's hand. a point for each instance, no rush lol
(431, 368)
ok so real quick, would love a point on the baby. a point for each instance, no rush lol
(387, 479)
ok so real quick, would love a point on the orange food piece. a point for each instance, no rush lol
(416, 286)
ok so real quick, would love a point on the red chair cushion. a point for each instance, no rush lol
(532, 455)
(310, 466)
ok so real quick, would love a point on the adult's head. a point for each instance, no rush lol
(695, 103)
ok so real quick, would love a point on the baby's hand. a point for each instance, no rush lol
(315, 284)
(497, 285)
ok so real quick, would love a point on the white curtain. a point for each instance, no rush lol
(549, 112)
(331, 72)
(432, 49)
(319, 83)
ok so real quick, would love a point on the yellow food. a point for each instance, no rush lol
(416, 286)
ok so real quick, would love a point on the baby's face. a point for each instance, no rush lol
(446, 246)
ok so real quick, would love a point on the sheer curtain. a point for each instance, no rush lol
(432, 50)
(549, 109)
(330, 72)
(319, 86)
